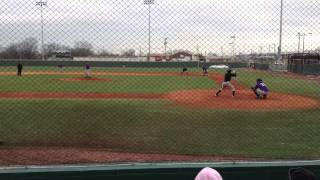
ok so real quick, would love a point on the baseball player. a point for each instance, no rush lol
(87, 71)
(260, 89)
(19, 67)
(227, 78)
(204, 69)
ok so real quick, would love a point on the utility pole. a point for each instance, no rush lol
(303, 40)
(165, 46)
(274, 49)
(41, 4)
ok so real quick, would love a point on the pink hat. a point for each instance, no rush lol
(208, 174)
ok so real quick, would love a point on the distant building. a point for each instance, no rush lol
(294, 59)
(304, 63)
(182, 56)
(159, 57)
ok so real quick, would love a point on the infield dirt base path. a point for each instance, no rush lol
(197, 98)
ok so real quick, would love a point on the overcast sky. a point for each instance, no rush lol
(197, 25)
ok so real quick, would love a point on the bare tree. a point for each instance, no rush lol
(11, 52)
(129, 53)
(82, 49)
(105, 53)
(28, 48)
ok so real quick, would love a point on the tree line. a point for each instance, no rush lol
(29, 49)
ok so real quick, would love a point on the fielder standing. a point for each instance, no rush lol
(87, 70)
(227, 78)
(19, 68)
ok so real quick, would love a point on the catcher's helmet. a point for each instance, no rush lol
(259, 80)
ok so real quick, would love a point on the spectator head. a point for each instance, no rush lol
(301, 174)
(208, 174)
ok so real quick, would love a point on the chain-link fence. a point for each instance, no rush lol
(92, 81)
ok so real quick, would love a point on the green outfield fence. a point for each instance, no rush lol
(117, 64)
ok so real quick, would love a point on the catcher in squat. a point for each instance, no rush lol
(227, 78)
(260, 89)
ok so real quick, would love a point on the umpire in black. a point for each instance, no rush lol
(19, 67)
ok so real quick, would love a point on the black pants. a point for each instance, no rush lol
(19, 72)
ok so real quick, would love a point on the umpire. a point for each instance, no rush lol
(19, 67)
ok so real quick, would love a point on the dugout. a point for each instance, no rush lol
(304, 63)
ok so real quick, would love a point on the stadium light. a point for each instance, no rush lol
(149, 2)
(41, 4)
(280, 38)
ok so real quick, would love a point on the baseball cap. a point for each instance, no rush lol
(208, 173)
(301, 174)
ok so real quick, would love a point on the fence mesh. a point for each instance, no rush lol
(92, 81)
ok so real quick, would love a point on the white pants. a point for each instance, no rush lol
(87, 72)
(228, 83)
(260, 92)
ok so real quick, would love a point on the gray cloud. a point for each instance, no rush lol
(116, 25)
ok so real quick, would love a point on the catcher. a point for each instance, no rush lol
(227, 78)
(260, 89)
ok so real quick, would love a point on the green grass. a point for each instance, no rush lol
(134, 84)
(95, 69)
(156, 126)
(278, 83)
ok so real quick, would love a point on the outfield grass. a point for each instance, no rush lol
(157, 126)
(132, 84)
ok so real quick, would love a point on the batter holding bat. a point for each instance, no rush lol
(227, 78)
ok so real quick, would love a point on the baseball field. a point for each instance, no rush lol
(54, 116)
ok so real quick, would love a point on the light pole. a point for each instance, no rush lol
(280, 34)
(165, 46)
(41, 4)
(149, 2)
(222, 53)
(299, 37)
(261, 50)
(274, 49)
(303, 36)
(233, 43)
